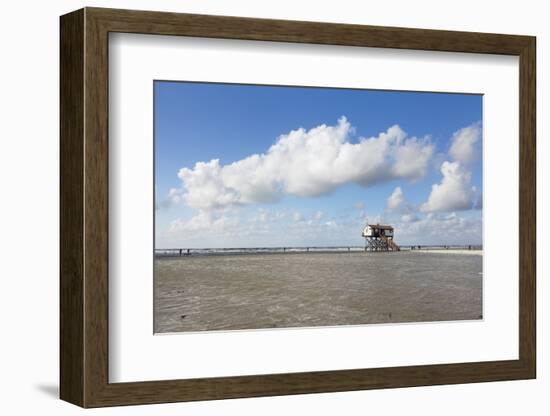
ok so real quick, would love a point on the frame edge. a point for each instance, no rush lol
(528, 208)
(71, 290)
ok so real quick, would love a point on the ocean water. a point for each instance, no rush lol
(256, 291)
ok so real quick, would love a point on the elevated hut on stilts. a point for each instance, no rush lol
(379, 237)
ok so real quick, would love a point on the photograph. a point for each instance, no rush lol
(294, 206)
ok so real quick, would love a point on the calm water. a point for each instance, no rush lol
(297, 290)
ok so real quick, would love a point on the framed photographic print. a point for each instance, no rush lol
(255, 207)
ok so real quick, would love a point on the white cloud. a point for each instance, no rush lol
(298, 216)
(305, 163)
(464, 147)
(247, 227)
(396, 199)
(313, 162)
(438, 228)
(269, 227)
(454, 193)
(409, 217)
(204, 220)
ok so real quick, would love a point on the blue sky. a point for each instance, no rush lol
(304, 166)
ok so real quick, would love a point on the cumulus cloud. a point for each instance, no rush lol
(309, 163)
(454, 193)
(305, 163)
(464, 143)
(396, 199)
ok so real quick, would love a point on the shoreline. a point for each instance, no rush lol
(316, 250)
(473, 252)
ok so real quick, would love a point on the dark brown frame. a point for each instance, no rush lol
(84, 208)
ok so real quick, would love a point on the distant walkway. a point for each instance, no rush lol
(477, 251)
(254, 250)
(182, 252)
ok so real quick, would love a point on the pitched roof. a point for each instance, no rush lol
(381, 226)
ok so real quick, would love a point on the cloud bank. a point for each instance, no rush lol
(305, 163)
(308, 163)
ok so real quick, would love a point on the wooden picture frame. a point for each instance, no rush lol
(84, 207)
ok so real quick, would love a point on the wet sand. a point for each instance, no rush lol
(312, 289)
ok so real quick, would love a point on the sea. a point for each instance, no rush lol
(272, 290)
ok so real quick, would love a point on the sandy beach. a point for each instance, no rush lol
(306, 290)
